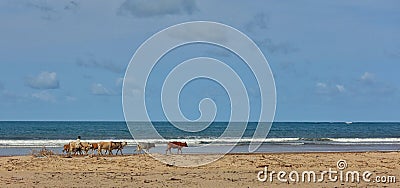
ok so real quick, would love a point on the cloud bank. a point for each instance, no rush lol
(44, 96)
(145, 8)
(92, 63)
(45, 80)
(99, 89)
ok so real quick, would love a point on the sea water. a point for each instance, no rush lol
(21, 137)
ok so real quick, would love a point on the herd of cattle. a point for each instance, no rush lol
(86, 147)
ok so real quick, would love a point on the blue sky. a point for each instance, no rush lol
(332, 60)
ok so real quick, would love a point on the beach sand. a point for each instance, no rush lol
(233, 170)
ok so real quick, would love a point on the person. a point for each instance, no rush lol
(78, 145)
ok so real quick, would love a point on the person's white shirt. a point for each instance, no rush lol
(78, 142)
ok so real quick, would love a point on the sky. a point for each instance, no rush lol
(331, 60)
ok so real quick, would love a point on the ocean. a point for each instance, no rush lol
(21, 137)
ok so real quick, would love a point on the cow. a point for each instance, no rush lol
(144, 146)
(118, 146)
(109, 146)
(75, 147)
(66, 148)
(178, 145)
(86, 146)
(103, 145)
(95, 146)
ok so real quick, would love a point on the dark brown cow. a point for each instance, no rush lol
(178, 145)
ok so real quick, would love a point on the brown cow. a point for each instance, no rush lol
(118, 146)
(86, 146)
(109, 146)
(103, 145)
(66, 148)
(75, 147)
(95, 146)
(178, 145)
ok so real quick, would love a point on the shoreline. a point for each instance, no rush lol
(232, 170)
(239, 153)
(219, 149)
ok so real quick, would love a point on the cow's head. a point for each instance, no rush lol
(185, 144)
(124, 144)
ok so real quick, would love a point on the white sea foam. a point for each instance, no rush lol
(213, 141)
(378, 140)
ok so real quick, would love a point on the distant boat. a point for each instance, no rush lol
(348, 122)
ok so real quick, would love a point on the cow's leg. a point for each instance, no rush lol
(109, 148)
(75, 151)
(70, 149)
(99, 150)
(166, 151)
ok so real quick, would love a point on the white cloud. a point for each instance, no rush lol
(323, 88)
(106, 65)
(340, 88)
(45, 80)
(368, 77)
(146, 8)
(321, 85)
(99, 89)
(44, 96)
(119, 81)
(132, 87)
(372, 86)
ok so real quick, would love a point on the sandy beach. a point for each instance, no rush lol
(233, 170)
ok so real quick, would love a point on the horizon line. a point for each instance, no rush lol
(289, 121)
